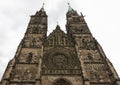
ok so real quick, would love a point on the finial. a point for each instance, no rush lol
(68, 3)
(82, 14)
(42, 9)
(69, 7)
(57, 23)
(43, 5)
(58, 27)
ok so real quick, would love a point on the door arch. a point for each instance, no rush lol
(61, 82)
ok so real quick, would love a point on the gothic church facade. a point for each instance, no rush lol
(72, 58)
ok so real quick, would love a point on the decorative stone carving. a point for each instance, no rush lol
(82, 29)
(28, 57)
(60, 58)
(12, 74)
(60, 61)
(32, 42)
(90, 57)
(24, 73)
(58, 38)
(35, 42)
(62, 71)
(26, 42)
(97, 73)
(88, 44)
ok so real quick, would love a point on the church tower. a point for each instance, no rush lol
(72, 58)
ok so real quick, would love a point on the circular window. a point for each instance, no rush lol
(60, 61)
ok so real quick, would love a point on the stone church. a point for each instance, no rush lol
(71, 58)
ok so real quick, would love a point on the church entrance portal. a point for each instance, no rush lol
(61, 82)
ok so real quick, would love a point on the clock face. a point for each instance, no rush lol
(60, 61)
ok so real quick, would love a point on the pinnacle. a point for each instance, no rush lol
(69, 7)
(42, 9)
(57, 27)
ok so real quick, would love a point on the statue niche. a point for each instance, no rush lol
(29, 57)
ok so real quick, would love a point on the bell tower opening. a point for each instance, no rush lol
(61, 82)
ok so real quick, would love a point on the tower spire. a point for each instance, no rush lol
(43, 6)
(41, 11)
(57, 23)
(69, 7)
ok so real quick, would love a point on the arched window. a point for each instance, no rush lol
(61, 82)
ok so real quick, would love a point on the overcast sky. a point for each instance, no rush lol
(102, 17)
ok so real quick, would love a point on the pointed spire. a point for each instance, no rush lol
(69, 7)
(71, 11)
(57, 23)
(42, 9)
(43, 5)
(57, 27)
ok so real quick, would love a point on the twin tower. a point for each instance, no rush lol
(72, 58)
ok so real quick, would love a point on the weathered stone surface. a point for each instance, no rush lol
(72, 58)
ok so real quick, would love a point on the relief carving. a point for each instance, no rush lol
(24, 73)
(26, 42)
(90, 57)
(88, 44)
(32, 42)
(27, 75)
(93, 57)
(80, 30)
(30, 57)
(94, 76)
(35, 42)
(12, 74)
(97, 73)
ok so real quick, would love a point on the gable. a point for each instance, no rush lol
(58, 38)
